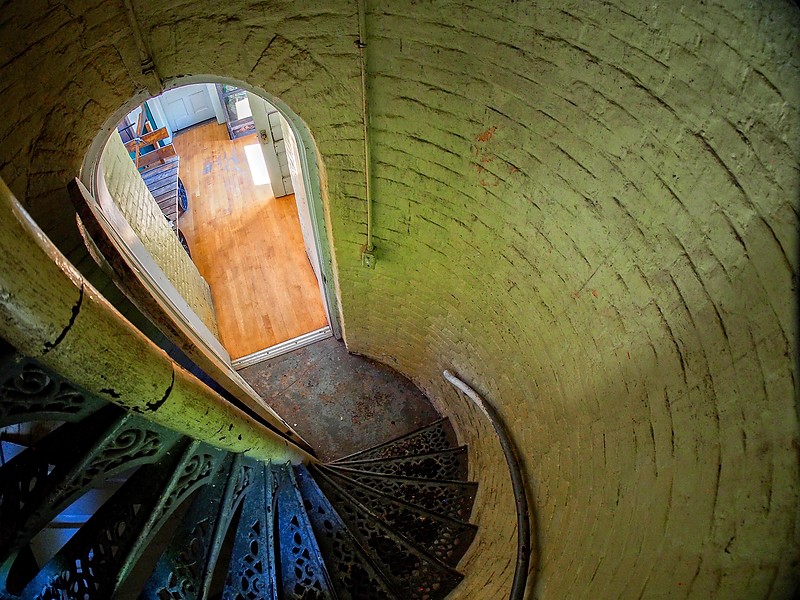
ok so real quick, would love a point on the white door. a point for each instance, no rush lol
(303, 211)
(187, 105)
(267, 120)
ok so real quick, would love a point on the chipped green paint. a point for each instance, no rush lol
(48, 312)
(647, 152)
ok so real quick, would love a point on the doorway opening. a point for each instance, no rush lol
(224, 176)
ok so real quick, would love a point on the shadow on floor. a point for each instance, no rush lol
(340, 403)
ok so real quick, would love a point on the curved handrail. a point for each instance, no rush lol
(49, 312)
(517, 482)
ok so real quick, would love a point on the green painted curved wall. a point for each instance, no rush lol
(588, 210)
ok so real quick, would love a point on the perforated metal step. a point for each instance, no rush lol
(452, 499)
(411, 571)
(437, 436)
(354, 575)
(301, 568)
(445, 538)
(448, 464)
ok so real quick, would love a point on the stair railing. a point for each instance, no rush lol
(511, 454)
(49, 312)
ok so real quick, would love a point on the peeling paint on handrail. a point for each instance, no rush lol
(50, 313)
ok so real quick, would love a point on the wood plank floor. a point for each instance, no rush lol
(246, 243)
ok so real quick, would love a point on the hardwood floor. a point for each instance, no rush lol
(246, 243)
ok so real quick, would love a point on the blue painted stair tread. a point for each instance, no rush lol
(251, 572)
(301, 574)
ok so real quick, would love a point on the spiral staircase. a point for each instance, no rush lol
(189, 520)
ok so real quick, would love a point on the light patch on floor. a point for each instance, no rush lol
(258, 168)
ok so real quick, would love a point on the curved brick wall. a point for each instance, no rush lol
(588, 211)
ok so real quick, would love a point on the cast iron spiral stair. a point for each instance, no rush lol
(387, 522)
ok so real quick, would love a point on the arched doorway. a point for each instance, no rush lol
(160, 297)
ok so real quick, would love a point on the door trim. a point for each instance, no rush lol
(309, 167)
(138, 284)
(301, 341)
(115, 235)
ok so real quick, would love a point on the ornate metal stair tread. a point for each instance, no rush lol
(410, 569)
(187, 565)
(445, 538)
(47, 477)
(301, 573)
(251, 572)
(438, 435)
(32, 393)
(379, 536)
(450, 464)
(354, 487)
(95, 561)
(453, 499)
(355, 575)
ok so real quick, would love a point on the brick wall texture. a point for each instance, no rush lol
(130, 194)
(588, 210)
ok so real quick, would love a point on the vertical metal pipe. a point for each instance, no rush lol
(362, 58)
(148, 65)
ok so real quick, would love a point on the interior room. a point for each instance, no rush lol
(224, 169)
